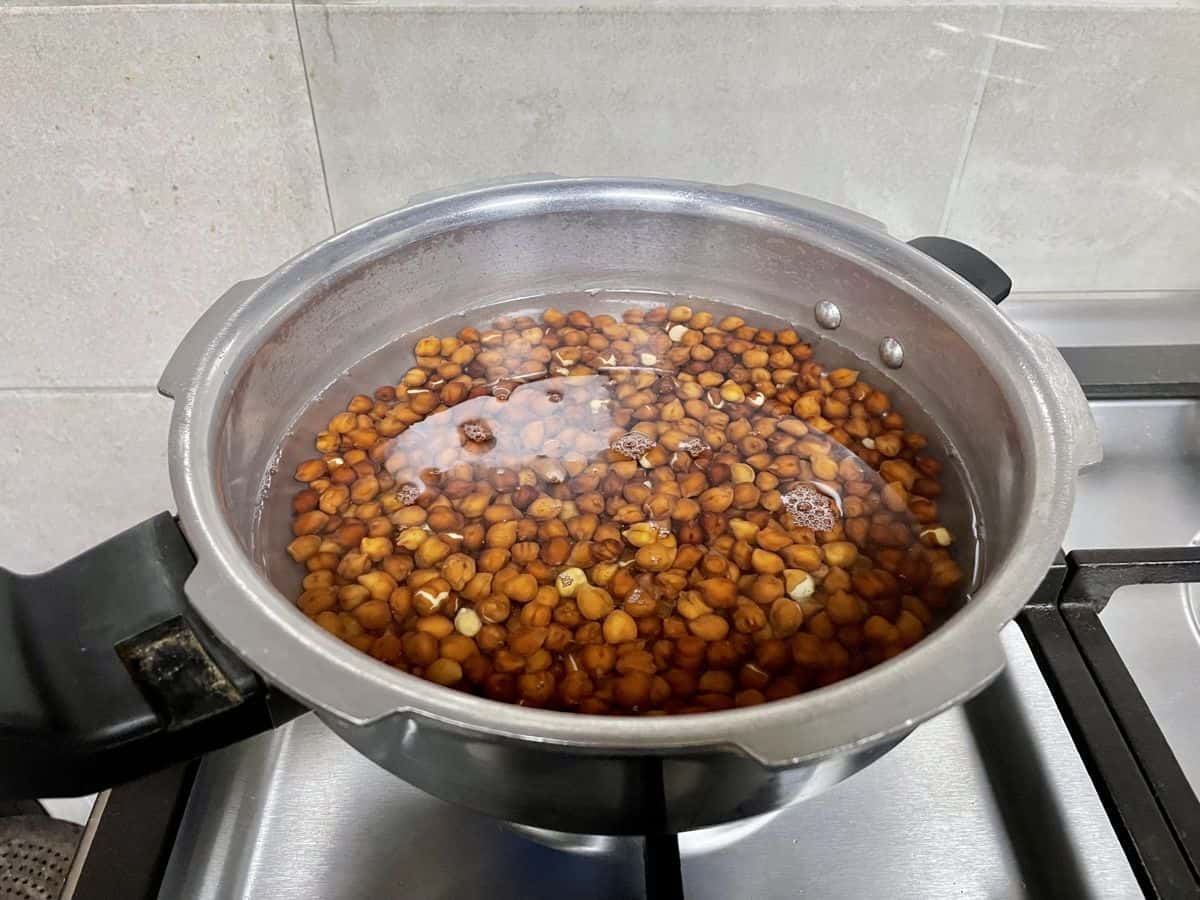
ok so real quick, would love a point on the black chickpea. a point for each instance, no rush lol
(665, 513)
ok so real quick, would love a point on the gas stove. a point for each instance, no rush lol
(1074, 775)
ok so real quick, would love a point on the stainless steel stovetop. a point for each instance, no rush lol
(989, 800)
(298, 814)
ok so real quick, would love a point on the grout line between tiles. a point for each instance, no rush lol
(560, 6)
(79, 390)
(605, 7)
(69, 8)
(312, 110)
(564, 7)
(960, 166)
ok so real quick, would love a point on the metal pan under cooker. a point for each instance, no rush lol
(173, 639)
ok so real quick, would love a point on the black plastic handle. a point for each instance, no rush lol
(106, 674)
(988, 278)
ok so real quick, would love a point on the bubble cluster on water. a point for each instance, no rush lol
(809, 508)
(693, 447)
(477, 431)
(633, 444)
(407, 494)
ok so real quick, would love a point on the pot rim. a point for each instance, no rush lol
(242, 606)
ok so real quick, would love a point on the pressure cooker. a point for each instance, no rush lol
(177, 637)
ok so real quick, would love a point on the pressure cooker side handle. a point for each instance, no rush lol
(106, 674)
(993, 283)
(987, 277)
(203, 336)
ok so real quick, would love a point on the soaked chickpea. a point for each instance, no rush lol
(666, 512)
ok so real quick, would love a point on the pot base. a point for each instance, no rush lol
(691, 843)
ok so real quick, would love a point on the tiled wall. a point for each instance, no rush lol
(152, 155)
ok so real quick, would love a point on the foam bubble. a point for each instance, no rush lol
(477, 431)
(633, 444)
(693, 447)
(809, 508)
(407, 494)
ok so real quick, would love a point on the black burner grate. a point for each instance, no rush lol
(1148, 799)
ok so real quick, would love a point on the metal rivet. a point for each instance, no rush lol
(828, 315)
(891, 353)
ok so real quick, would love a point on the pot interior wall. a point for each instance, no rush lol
(338, 340)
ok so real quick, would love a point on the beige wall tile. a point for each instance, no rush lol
(153, 156)
(81, 467)
(1084, 168)
(866, 108)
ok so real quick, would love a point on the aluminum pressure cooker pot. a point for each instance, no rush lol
(178, 636)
